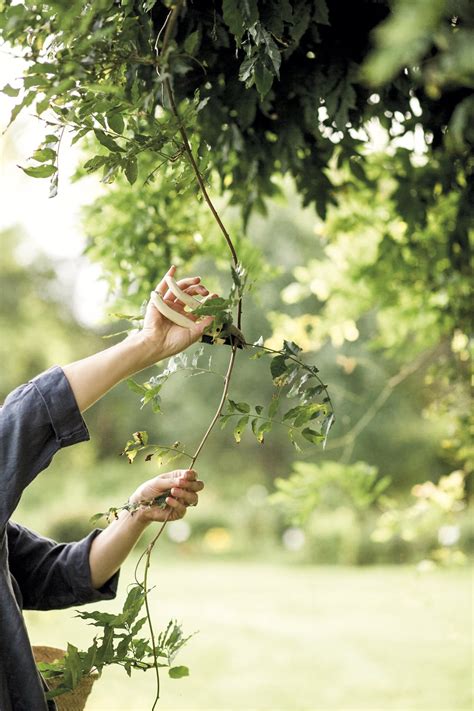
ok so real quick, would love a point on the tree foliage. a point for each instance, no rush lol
(268, 87)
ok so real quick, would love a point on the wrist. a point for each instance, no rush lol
(134, 520)
(144, 352)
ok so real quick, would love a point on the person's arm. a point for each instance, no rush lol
(111, 547)
(91, 377)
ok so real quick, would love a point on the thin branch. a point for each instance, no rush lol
(299, 362)
(225, 390)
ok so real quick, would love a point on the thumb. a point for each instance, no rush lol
(202, 325)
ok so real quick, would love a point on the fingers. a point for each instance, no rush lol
(162, 286)
(193, 290)
(178, 509)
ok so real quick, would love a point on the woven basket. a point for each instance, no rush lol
(72, 700)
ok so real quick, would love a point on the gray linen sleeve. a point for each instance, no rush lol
(53, 575)
(36, 420)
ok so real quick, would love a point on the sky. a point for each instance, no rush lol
(52, 226)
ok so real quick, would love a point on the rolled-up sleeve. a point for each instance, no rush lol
(36, 420)
(53, 575)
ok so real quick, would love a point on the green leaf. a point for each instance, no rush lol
(233, 18)
(261, 429)
(312, 436)
(178, 672)
(192, 42)
(107, 141)
(44, 154)
(278, 366)
(131, 170)
(10, 91)
(321, 13)
(136, 387)
(116, 122)
(240, 426)
(263, 79)
(39, 171)
(291, 348)
(240, 406)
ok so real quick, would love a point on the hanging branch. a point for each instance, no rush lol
(170, 23)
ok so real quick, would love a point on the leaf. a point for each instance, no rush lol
(10, 91)
(240, 406)
(278, 366)
(39, 171)
(107, 141)
(312, 436)
(192, 42)
(131, 170)
(178, 672)
(233, 18)
(96, 517)
(263, 79)
(28, 99)
(273, 407)
(240, 426)
(261, 429)
(291, 348)
(321, 13)
(73, 667)
(136, 387)
(116, 122)
(44, 154)
(224, 420)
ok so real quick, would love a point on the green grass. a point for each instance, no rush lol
(274, 638)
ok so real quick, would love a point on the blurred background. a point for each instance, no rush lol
(335, 579)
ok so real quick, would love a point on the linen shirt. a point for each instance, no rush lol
(36, 420)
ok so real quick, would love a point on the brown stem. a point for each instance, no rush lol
(170, 23)
(225, 390)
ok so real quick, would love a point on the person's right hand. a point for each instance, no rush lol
(165, 337)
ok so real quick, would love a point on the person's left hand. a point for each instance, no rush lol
(182, 483)
(164, 336)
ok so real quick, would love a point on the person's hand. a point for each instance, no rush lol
(164, 336)
(182, 483)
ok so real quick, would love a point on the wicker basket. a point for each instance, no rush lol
(72, 700)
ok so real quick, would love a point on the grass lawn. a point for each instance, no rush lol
(275, 637)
